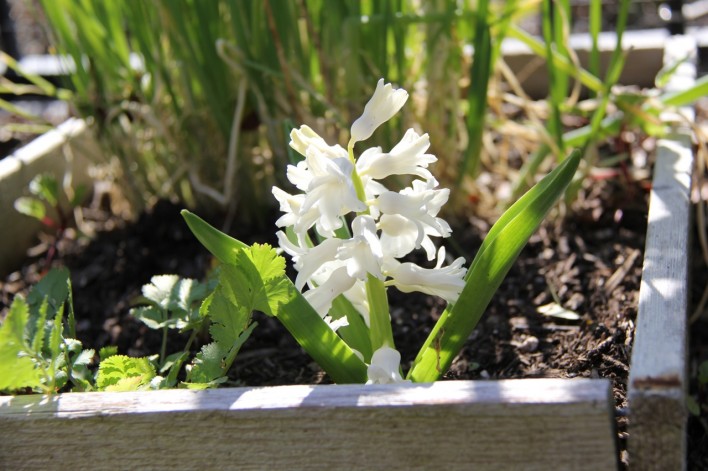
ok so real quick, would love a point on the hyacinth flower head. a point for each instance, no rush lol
(347, 232)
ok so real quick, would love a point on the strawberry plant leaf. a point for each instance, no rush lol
(17, 370)
(123, 373)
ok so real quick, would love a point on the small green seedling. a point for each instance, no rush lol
(53, 207)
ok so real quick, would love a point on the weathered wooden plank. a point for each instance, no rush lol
(514, 424)
(657, 380)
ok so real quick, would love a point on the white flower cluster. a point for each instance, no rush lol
(386, 225)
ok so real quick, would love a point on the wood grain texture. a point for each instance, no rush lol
(514, 424)
(657, 380)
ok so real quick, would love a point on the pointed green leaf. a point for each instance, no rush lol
(499, 250)
(16, 369)
(219, 244)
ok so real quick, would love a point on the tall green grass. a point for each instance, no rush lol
(194, 98)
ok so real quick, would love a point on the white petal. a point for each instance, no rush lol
(445, 282)
(303, 138)
(362, 253)
(385, 103)
(321, 297)
(385, 367)
(408, 157)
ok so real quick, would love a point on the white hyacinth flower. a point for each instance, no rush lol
(408, 157)
(420, 205)
(321, 297)
(386, 225)
(385, 367)
(445, 282)
(362, 253)
(304, 138)
(330, 191)
(385, 103)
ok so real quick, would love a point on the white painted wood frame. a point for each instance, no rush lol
(657, 380)
(539, 424)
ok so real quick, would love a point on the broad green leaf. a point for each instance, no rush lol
(172, 293)
(123, 373)
(85, 358)
(54, 287)
(46, 187)
(31, 207)
(207, 365)
(16, 369)
(151, 316)
(499, 250)
(227, 317)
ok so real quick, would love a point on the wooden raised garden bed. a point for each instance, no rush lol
(508, 424)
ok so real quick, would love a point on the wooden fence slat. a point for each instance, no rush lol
(512, 424)
(657, 380)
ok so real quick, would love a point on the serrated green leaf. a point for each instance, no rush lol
(123, 373)
(54, 287)
(46, 187)
(16, 369)
(106, 352)
(228, 319)
(40, 327)
(55, 336)
(267, 261)
(30, 207)
(207, 365)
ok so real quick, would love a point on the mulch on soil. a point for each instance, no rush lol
(590, 261)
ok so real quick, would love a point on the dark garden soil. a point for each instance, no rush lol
(590, 261)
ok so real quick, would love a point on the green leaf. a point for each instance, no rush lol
(173, 293)
(31, 207)
(16, 369)
(703, 372)
(80, 193)
(123, 373)
(40, 328)
(207, 365)
(499, 250)
(46, 187)
(106, 352)
(219, 244)
(151, 316)
(54, 287)
(228, 318)
(277, 296)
